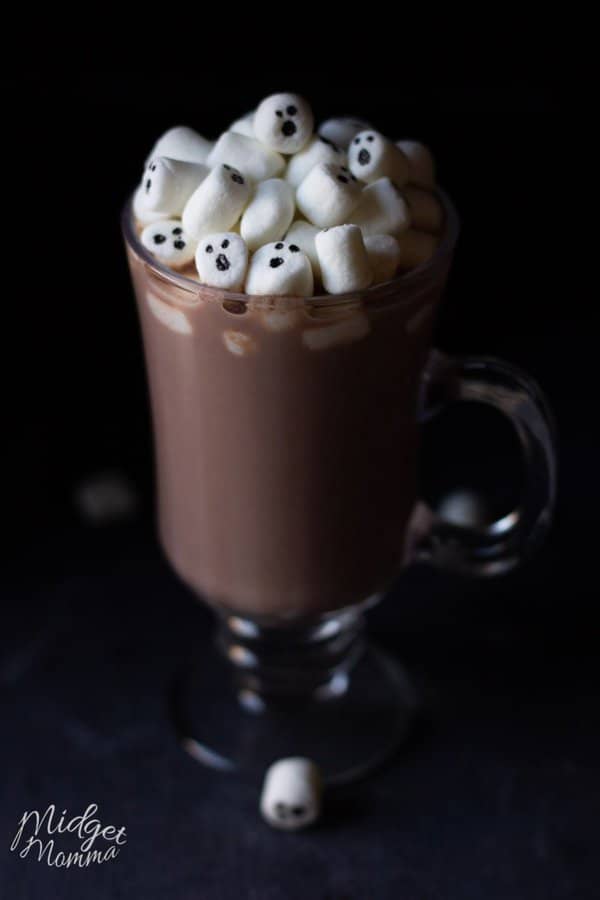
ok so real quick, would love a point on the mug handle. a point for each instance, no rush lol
(497, 547)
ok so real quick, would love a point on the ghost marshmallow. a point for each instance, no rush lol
(268, 215)
(144, 215)
(318, 150)
(169, 183)
(284, 122)
(328, 195)
(182, 143)
(217, 203)
(425, 209)
(280, 268)
(291, 794)
(303, 234)
(246, 154)
(382, 209)
(384, 255)
(343, 259)
(169, 243)
(372, 156)
(421, 163)
(342, 130)
(222, 260)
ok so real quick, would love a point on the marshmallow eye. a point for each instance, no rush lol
(235, 175)
(168, 241)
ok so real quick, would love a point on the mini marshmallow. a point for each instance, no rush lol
(141, 212)
(342, 130)
(345, 331)
(421, 163)
(217, 203)
(291, 794)
(416, 248)
(169, 183)
(318, 150)
(372, 156)
(182, 143)
(303, 234)
(284, 122)
(343, 259)
(278, 269)
(222, 261)
(169, 243)
(384, 256)
(244, 126)
(328, 195)
(268, 215)
(246, 154)
(382, 209)
(425, 209)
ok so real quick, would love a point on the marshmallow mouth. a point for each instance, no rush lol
(222, 263)
(364, 157)
(288, 128)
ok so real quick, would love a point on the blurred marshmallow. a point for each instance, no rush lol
(384, 256)
(280, 268)
(345, 331)
(142, 214)
(328, 194)
(182, 143)
(343, 259)
(269, 213)
(425, 209)
(382, 209)
(238, 343)
(342, 130)
(283, 122)
(421, 163)
(416, 248)
(217, 203)
(169, 243)
(246, 154)
(244, 126)
(318, 150)
(168, 315)
(222, 261)
(291, 794)
(303, 234)
(169, 183)
(372, 156)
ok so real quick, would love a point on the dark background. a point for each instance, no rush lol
(497, 795)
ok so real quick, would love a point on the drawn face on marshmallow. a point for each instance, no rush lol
(283, 122)
(372, 156)
(280, 268)
(169, 243)
(291, 796)
(222, 260)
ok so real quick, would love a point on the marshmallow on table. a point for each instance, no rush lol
(222, 261)
(141, 212)
(416, 248)
(318, 150)
(169, 183)
(384, 256)
(246, 154)
(269, 213)
(421, 163)
(382, 209)
(283, 122)
(182, 143)
(280, 268)
(343, 259)
(425, 209)
(372, 156)
(291, 794)
(244, 125)
(217, 203)
(303, 234)
(169, 243)
(328, 194)
(342, 129)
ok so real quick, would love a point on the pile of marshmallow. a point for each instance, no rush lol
(271, 208)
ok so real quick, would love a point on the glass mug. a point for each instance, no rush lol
(286, 437)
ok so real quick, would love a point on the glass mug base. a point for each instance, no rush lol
(316, 689)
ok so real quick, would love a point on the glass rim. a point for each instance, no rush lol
(408, 281)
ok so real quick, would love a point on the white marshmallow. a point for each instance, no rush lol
(384, 256)
(416, 248)
(269, 214)
(217, 203)
(328, 195)
(183, 143)
(421, 163)
(283, 122)
(169, 243)
(291, 794)
(303, 234)
(382, 209)
(244, 126)
(345, 331)
(278, 269)
(222, 261)
(372, 156)
(318, 150)
(169, 183)
(425, 209)
(238, 343)
(246, 154)
(168, 315)
(142, 214)
(343, 259)
(342, 130)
